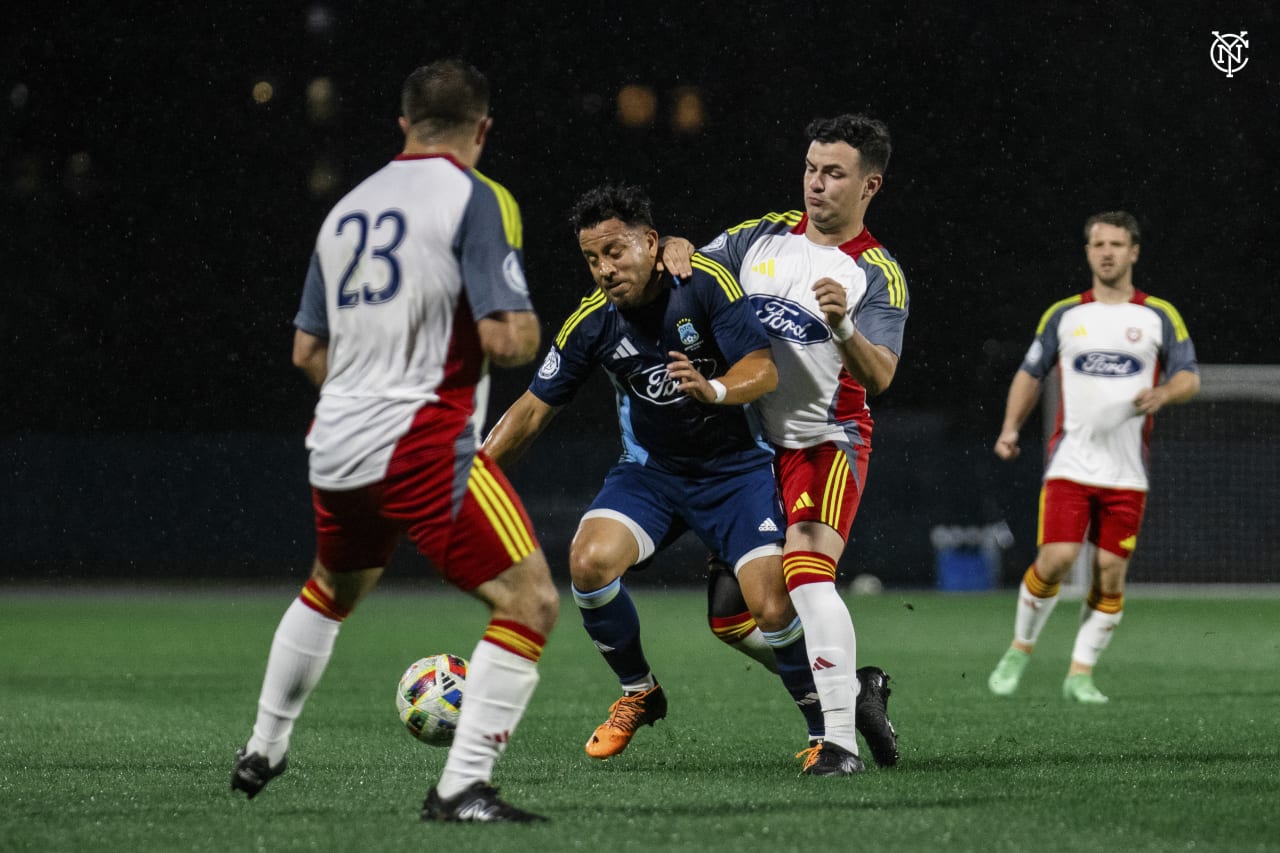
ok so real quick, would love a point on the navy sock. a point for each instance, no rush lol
(793, 668)
(611, 621)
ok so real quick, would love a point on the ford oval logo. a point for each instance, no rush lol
(1107, 364)
(657, 386)
(789, 321)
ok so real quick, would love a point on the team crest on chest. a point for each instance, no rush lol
(1133, 334)
(688, 334)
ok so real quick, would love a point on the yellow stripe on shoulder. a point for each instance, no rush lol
(1180, 332)
(790, 217)
(589, 303)
(727, 281)
(512, 225)
(1061, 303)
(893, 273)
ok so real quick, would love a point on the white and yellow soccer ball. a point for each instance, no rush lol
(429, 697)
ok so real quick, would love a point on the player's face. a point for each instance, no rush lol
(623, 261)
(1111, 253)
(836, 192)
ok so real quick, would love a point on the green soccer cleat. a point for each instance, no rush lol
(1004, 679)
(1080, 688)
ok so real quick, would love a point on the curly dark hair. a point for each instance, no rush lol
(627, 204)
(868, 135)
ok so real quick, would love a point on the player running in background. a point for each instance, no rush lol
(684, 358)
(834, 303)
(1109, 345)
(415, 286)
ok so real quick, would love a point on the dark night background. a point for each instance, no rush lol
(157, 220)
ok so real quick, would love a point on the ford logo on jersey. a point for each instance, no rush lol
(790, 321)
(1107, 364)
(657, 386)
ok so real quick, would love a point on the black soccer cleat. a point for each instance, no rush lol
(252, 772)
(827, 759)
(479, 803)
(872, 716)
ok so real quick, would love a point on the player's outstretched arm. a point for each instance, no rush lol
(1024, 393)
(1180, 388)
(509, 338)
(311, 356)
(517, 428)
(748, 379)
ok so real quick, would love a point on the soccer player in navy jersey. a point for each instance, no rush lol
(834, 303)
(684, 356)
(415, 286)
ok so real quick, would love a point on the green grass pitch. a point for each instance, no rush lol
(120, 713)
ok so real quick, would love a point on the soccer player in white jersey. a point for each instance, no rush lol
(1110, 346)
(834, 303)
(415, 287)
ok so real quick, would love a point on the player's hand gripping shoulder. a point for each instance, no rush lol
(676, 256)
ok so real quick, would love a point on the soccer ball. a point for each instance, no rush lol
(429, 697)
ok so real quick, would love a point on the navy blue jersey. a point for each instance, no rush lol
(705, 317)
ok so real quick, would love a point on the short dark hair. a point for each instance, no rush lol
(1118, 218)
(444, 95)
(627, 204)
(868, 135)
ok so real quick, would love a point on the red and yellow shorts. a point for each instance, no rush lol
(1111, 516)
(466, 519)
(823, 483)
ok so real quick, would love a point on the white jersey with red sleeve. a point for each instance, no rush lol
(1105, 355)
(777, 265)
(403, 268)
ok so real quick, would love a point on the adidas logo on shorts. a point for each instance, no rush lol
(767, 526)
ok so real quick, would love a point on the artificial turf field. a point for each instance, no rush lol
(120, 714)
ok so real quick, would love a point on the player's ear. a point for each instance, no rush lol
(482, 129)
(652, 241)
(404, 125)
(871, 184)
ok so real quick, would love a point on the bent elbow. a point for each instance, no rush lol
(879, 383)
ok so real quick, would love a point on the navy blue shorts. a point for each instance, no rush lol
(738, 516)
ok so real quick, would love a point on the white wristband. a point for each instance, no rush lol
(843, 330)
(719, 389)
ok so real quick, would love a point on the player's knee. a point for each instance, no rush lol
(346, 589)
(1054, 561)
(774, 612)
(593, 564)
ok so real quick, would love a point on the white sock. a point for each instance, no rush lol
(833, 655)
(499, 686)
(299, 654)
(754, 646)
(1032, 614)
(1094, 635)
